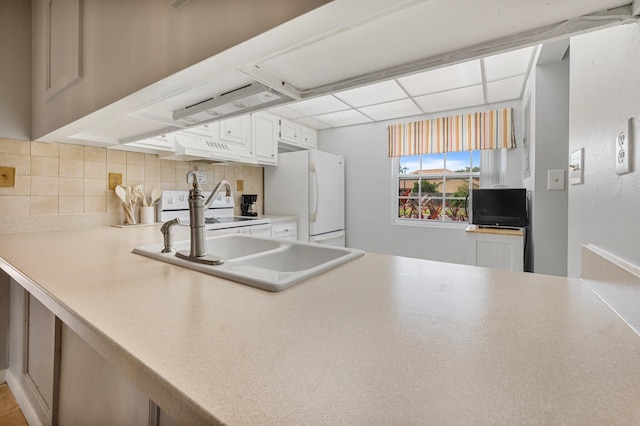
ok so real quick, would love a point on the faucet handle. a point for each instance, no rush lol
(197, 177)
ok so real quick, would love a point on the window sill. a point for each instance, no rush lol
(430, 224)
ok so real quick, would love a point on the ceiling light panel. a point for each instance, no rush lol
(321, 105)
(343, 118)
(373, 94)
(505, 90)
(391, 110)
(451, 99)
(507, 64)
(439, 80)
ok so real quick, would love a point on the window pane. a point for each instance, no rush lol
(432, 163)
(458, 161)
(409, 165)
(408, 207)
(432, 208)
(455, 210)
(476, 161)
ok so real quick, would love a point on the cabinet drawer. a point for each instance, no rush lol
(285, 230)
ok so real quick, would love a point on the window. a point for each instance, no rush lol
(434, 187)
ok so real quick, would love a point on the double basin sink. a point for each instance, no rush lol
(264, 263)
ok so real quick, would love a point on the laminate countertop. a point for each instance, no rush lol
(379, 340)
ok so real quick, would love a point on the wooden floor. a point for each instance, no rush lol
(10, 413)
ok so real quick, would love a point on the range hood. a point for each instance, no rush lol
(196, 148)
(243, 100)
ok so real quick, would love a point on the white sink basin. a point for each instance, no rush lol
(264, 263)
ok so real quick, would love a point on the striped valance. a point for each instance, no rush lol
(475, 131)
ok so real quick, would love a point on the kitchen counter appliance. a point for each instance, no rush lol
(248, 206)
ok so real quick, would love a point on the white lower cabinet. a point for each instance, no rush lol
(496, 248)
(59, 379)
(285, 230)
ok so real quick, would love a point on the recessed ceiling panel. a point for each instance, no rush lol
(391, 110)
(321, 105)
(505, 90)
(373, 94)
(439, 80)
(507, 64)
(313, 123)
(343, 118)
(286, 112)
(451, 99)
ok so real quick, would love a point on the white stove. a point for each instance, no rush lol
(219, 215)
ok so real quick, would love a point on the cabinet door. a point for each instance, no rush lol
(290, 132)
(236, 130)
(309, 137)
(93, 391)
(265, 138)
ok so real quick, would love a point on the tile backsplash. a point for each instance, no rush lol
(64, 186)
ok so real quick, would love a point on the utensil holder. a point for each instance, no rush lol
(147, 214)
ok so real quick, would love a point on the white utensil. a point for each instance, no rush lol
(121, 192)
(138, 190)
(156, 193)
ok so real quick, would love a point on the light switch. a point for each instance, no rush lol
(555, 180)
(624, 146)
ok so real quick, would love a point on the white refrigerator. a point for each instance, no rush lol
(308, 184)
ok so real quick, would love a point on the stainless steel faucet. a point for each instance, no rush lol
(197, 206)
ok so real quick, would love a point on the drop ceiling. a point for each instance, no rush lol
(493, 79)
(358, 61)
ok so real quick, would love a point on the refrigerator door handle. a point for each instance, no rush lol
(313, 216)
(329, 237)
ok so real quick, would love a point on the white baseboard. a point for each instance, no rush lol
(25, 405)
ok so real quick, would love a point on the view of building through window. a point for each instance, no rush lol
(435, 186)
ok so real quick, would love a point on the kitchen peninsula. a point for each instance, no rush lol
(379, 340)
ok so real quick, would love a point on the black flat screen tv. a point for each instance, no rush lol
(501, 207)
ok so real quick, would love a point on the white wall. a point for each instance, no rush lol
(549, 96)
(369, 191)
(605, 90)
(15, 71)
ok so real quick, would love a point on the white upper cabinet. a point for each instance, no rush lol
(296, 135)
(264, 138)
(309, 138)
(235, 130)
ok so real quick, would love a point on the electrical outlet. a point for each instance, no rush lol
(7, 177)
(624, 146)
(239, 185)
(115, 179)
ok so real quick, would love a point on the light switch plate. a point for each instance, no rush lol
(624, 147)
(576, 167)
(555, 180)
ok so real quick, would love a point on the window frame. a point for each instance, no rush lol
(440, 223)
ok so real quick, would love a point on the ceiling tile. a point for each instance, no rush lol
(321, 105)
(286, 112)
(313, 123)
(507, 64)
(343, 118)
(452, 99)
(391, 110)
(505, 90)
(439, 80)
(374, 94)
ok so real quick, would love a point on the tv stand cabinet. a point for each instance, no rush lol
(496, 247)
